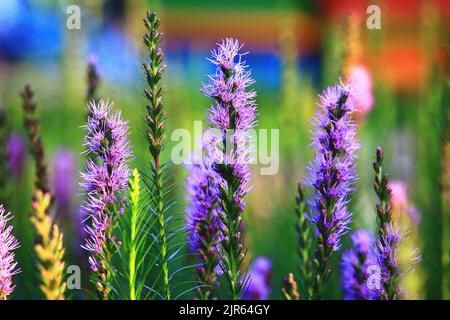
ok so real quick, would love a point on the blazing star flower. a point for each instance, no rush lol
(16, 155)
(259, 283)
(389, 237)
(233, 114)
(355, 266)
(8, 267)
(234, 109)
(332, 173)
(106, 176)
(362, 80)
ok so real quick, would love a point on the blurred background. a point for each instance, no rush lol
(296, 49)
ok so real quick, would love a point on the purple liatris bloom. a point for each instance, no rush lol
(203, 225)
(357, 265)
(332, 173)
(8, 266)
(105, 177)
(232, 115)
(64, 183)
(259, 280)
(16, 155)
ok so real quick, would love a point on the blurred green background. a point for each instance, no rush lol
(297, 48)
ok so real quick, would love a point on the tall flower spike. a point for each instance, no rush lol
(156, 137)
(8, 266)
(356, 265)
(389, 237)
(203, 226)
(105, 178)
(31, 122)
(332, 175)
(233, 111)
(49, 250)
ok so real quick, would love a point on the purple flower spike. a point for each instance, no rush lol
(356, 266)
(8, 267)
(259, 280)
(106, 176)
(332, 174)
(233, 114)
(16, 155)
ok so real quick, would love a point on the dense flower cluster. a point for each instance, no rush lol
(233, 113)
(105, 177)
(356, 267)
(8, 266)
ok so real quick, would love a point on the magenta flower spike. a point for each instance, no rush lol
(104, 179)
(232, 114)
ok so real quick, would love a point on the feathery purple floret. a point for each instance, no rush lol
(355, 266)
(259, 281)
(106, 174)
(332, 173)
(8, 266)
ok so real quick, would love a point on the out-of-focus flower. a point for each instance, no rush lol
(259, 280)
(64, 183)
(8, 266)
(362, 81)
(399, 198)
(93, 78)
(16, 155)
(400, 203)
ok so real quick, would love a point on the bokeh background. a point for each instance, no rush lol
(297, 48)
